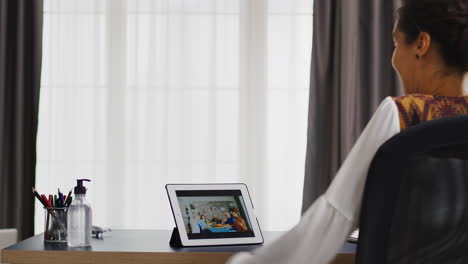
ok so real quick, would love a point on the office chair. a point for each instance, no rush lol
(415, 204)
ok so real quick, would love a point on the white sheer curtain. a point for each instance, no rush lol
(136, 94)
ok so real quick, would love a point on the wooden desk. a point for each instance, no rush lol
(134, 246)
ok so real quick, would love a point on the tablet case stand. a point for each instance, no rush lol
(175, 238)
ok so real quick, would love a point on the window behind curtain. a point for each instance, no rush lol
(136, 94)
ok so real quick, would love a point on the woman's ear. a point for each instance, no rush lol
(422, 44)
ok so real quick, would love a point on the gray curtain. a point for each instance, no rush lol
(20, 69)
(351, 73)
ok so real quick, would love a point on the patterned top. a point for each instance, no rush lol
(417, 108)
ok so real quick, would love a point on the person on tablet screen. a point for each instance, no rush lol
(230, 220)
(202, 223)
(240, 225)
(216, 220)
(431, 58)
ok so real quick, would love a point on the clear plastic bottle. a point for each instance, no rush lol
(79, 218)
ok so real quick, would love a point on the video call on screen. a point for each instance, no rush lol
(214, 214)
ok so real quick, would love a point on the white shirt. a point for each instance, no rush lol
(328, 222)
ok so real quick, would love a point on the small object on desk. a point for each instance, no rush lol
(354, 237)
(79, 218)
(55, 230)
(97, 230)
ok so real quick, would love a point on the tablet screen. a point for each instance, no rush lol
(214, 214)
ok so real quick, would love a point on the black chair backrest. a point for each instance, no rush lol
(415, 205)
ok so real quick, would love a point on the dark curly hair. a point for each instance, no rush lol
(446, 21)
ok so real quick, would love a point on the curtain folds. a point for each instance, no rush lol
(351, 73)
(20, 71)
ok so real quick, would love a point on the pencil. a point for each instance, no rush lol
(38, 197)
(45, 205)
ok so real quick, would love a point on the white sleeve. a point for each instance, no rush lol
(327, 223)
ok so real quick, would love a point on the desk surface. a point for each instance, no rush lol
(133, 246)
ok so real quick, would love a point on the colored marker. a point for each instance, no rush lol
(48, 204)
(61, 201)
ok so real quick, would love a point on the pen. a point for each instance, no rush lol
(68, 200)
(51, 199)
(60, 195)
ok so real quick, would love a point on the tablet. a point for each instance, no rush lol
(214, 214)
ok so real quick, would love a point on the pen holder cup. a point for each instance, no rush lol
(55, 224)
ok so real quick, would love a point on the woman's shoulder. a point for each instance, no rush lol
(420, 99)
(416, 108)
(407, 99)
(411, 108)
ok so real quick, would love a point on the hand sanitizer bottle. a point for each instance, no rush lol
(79, 226)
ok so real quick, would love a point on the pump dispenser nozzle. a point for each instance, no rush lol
(80, 189)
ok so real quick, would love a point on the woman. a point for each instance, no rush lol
(431, 58)
(202, 223)
(240, 225)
